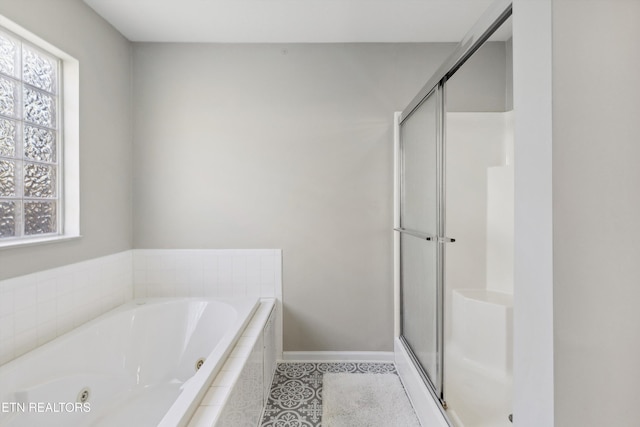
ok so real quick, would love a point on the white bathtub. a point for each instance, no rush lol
(138, 363)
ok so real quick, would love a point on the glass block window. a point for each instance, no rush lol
(29, 140)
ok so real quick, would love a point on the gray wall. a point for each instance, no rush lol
(105, 131)
(596, 178)
(283, 146)
(480, 84)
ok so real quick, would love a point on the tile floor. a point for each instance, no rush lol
(295, 399)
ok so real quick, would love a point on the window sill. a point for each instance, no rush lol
(37, 241)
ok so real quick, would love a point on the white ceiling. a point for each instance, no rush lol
(291, 21)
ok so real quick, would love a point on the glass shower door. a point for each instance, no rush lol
(420, 251)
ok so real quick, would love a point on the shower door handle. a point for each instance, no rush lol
(425, 236)
(446, 240)
(417, 234)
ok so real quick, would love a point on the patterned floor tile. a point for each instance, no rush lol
(295, 399)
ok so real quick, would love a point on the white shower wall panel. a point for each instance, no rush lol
(500, 229)
(479, 200)
(474, 143)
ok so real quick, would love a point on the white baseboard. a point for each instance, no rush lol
(337, 356)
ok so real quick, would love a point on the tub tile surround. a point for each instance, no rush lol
(39, 307)
(218, 273)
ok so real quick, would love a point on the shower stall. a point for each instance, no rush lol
(453, 235)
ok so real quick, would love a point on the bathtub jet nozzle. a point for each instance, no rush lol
(83, 395)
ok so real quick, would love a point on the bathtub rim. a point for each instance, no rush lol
(133, 303)
(185, 406)
(210, 413)
(181, 409)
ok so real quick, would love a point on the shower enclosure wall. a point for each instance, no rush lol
(479, 268)
(430, 333)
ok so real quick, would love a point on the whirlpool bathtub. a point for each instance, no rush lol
(146, 363)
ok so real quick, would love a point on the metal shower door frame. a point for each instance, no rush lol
(493, 18)
(435, 380)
